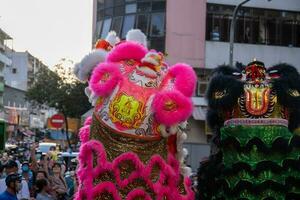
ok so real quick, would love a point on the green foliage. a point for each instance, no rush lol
(59, 89)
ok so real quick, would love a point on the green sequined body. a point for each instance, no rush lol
(255, 162)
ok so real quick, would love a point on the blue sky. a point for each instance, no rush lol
(48, 29)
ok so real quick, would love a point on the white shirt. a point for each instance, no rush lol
(23, 194)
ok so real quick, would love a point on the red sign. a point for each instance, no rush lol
(57, 121)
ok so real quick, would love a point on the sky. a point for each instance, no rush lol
(48, 29)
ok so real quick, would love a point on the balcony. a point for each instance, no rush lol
(217, 53)
(5, 59)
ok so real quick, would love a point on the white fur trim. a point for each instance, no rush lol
(112, 38)
(186, 171)
(137, 35)
(173, 129)
(163, 130)
(185, 152)
(85, 67)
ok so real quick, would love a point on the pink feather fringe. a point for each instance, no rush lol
(125, 51)
(165, 187)
(185, 78)
(138, 193)
(182, 108)
(100, 86)
(88, 121)
(84, 133)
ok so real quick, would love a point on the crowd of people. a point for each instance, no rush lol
(28, 178)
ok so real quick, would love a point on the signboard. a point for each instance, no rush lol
(57, 121)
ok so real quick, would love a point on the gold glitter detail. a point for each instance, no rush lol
(293, 93)
(116, 144)
(219, 94)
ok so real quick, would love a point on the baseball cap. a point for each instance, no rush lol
(12, 178)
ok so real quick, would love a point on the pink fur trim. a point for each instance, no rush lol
(185, 78)
(106, 187)
(125, 51)
(134, 175)
(165, 187)
(84, 133)
(138, 193)
(88, 121)
(99, 85)
(180, 112)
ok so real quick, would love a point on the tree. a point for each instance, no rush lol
(61, 90)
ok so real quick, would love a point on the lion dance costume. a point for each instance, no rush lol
(254, 112)
(132, 146)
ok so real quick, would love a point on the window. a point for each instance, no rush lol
(142, 23)
(119, 2)
(116, 25)
(14, 70)
(100, 15)
(100, 4)
(118, 11)
(130, 8)
(144, 7)
(201, 89)
(157, 24)
(253, 25)
(108, 12)
(98, 28)
(128, 24)
(106, 27)
(159, 6)
(158, 43)
(108, 3)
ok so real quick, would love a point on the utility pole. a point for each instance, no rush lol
(232, 31)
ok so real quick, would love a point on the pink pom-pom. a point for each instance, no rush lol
(104, 79)
(185, 78)
(171, 107)
(125, 51)
(84, 133)
(88, 121)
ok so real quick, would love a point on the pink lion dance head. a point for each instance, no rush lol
(132, 146)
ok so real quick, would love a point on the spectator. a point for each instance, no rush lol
(27, 173)
(42, 190)
(41, 175)
(13, 186)
(11, 167)
(58, 183)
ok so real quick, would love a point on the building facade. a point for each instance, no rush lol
(4, 62)
(197, 32)
(20, 74)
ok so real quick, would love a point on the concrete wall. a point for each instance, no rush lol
(218, 53)
(292, 5)
(94, 23)
(14, 97)
(196, 132)
(19, 79)
(185, 31)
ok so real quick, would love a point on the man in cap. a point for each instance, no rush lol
(13, 184)
(11, 167)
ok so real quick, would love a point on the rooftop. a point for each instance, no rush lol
(4, 35)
